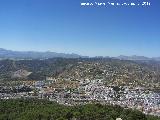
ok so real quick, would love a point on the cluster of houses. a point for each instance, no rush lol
(87, 91)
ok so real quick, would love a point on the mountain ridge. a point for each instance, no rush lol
(10, 54)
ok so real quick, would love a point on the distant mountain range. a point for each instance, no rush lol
(9, 54)
(135, 57)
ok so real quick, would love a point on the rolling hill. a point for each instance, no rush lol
(112, 71)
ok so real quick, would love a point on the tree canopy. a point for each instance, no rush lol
(34, 109)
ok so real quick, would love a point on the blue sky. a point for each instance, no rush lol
(65, 26)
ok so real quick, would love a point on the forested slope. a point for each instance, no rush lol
(34, 109)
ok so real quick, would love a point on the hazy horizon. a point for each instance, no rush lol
(81, 54)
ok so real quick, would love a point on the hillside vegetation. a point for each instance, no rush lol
(114, 71)
(34, 109)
